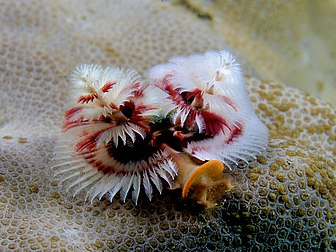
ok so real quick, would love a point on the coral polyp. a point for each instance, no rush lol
(177, 128)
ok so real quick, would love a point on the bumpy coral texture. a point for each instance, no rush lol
(280, 38)
(285, 200)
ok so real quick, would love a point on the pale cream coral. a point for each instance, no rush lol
(288, 194)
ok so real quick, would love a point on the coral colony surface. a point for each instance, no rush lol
(179, 128)
(282, 201)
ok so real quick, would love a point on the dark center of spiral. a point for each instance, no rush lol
(140, 149)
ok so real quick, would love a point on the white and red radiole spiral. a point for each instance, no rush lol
(175, 129)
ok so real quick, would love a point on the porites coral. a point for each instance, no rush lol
(288, 195)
